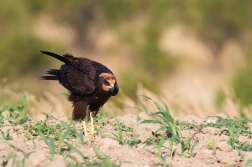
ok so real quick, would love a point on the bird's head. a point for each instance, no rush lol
(108, 82)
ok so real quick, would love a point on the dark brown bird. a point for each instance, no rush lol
(90, 85)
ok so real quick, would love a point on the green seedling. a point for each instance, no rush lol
(189, 126)
(50, 143)
(248, 163)
(74, 149)
(120, 125)
(49, 115)
(152, 139)
(231, 140)
(99, 122)
(243, 146)
(78, 135)
(118, 137)
(166, 121)
(211, 144)
(104, 158)
(16, 162)
(130, 138)
(61, 138)
(40, 127)
(74, 161)
(169, 126)
(15, 147)
(6, 135)
(29, 136)
(1, 120)
(122, 141)
(17, 115)
(101, 119)
(172, 151)
(133, 142)
(160, 149)
(56, 147)
(241, 126)
(15, 107)
(185, 145)
(191, 151)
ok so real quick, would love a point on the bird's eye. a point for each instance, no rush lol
(107, 83)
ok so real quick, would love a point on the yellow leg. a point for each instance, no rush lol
(92, 126)
(92, 134)
(85, 127)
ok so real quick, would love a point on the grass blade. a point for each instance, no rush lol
(98, 153)
(22, 104)
(51, 147)
(12, 107)
(248, 163)
(75, 150)
(13, 146)
(103, 157)
(79, 136)
(152, 121)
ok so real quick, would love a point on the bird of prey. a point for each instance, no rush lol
(90, 85)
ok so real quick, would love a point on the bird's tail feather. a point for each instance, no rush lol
(48, 78)
(52, 76)
(56, 56)
(53, 71)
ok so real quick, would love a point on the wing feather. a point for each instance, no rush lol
(75, 80)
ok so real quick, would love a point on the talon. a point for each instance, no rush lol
(92, 134)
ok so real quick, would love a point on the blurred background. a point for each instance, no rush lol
(193, 55)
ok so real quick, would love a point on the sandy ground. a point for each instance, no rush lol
(125, 155)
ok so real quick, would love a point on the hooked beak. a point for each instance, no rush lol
(111, 87)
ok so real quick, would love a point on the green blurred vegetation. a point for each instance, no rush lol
(242, 83)
(217, 21)
(213, 21)
(242, 87)
(19, 46)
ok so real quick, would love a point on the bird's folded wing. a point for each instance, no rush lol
(85, 66)
(76, 81)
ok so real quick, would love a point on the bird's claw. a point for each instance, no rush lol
(91, 134)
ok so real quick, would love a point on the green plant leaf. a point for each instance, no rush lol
(146, 97)
(51, 147)
(158, 106)
(152, 121)
(248, 163)
(67, 127)
(23, 102)
(11, 108)
(62, 138)
(98, 153)
(15, 147)
(191, 150)
(185, 146)
(79, 136)
(75, 150)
